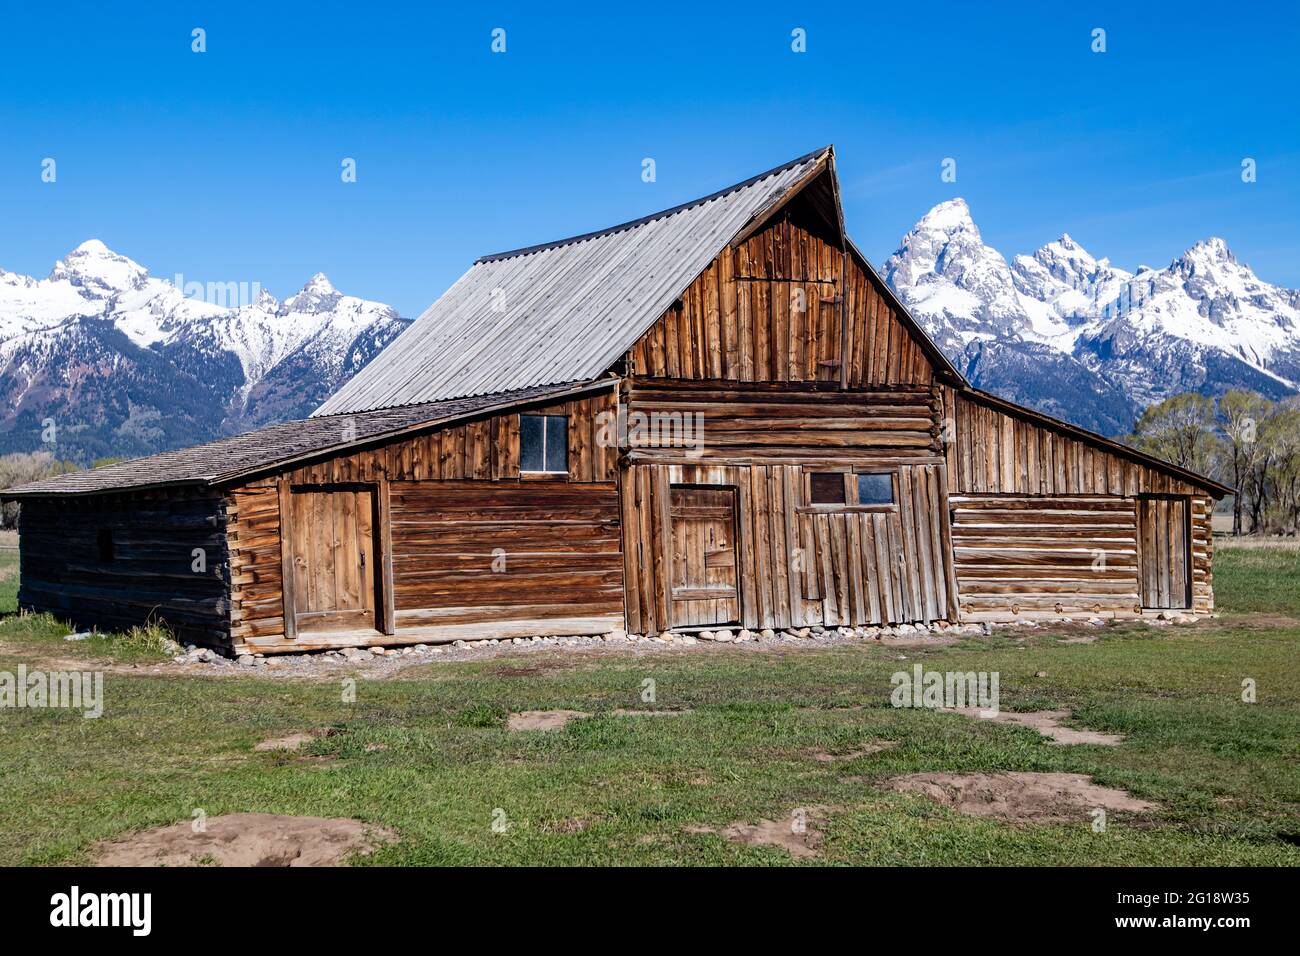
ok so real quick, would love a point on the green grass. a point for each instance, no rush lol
(1257, 579)
(429, 756)
(8, 581)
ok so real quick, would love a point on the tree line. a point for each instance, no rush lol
(24, 466)
(1241, 438)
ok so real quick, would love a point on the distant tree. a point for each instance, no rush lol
(1276, 480)
(22, 467)
(1239, 416)
(1180, 430)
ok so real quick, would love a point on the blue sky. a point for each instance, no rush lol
(225, 165)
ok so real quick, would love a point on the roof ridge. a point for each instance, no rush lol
(661, 214)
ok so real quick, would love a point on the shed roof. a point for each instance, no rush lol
(228, 459)
(564, 311)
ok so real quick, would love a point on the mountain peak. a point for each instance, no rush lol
(98, 271)
(950, 216)
(1215, 248)
(93, 247)
(320, 284)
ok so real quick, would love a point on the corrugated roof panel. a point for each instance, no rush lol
(563, 312)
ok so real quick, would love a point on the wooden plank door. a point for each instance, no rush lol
(704, 588)
(1164, 541)
(334, 557)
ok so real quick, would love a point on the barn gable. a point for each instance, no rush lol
(565, 311)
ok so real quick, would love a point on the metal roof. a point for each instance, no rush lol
(565, 311)
(232, 458)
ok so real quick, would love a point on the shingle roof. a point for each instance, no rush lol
(564, 311)
(230, 458)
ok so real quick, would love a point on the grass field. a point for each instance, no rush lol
(428, 755)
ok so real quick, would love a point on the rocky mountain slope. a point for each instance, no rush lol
(1076, 337)
(108, 360)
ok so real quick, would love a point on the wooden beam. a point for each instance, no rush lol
(388, 612)
(287, 590)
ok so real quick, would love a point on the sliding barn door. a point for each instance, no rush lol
(334, 556)
(704, 589)
(1164, 535)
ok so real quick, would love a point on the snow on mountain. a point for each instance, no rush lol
(1077, 337)
(126, 363)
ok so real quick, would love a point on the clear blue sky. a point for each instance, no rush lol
(225, 166)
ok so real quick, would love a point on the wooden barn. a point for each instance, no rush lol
(715, 415)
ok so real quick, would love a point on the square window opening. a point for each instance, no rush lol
(826, 488)
(544, 444)
(876, 489)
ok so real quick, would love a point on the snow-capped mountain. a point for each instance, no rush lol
(123, 363)
(1078, 338)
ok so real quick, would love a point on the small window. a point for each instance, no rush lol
(544, 444)
(876, 489)
(104, 542)
(826, 488)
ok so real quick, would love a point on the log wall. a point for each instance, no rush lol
(455, 501)
(472, 552)
(1033, 507)
(796, 421)
(168, 562)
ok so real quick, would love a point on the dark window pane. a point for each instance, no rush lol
(531, 446)
(827, 488)
(875, 489)
(557, 443)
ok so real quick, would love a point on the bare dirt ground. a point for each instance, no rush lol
(247, 839)
(543, 719)
(1046, 722)
(292, 741)
(866, 750)
(799, 834)
(1021, 797)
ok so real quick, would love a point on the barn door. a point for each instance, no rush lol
(334, 559)
(1164, 535)
(704, 587)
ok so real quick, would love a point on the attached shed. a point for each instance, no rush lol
(718, 414)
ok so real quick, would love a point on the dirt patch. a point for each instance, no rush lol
(248, 839)
(293, 741)
(624, 712)
(543, 719)
(797, 834)
(825, 756)
(1020, 797)
(1047, 723)
(1080, 639)
(567, 825)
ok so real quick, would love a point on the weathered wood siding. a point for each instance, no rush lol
(800, 421)
(482, 450)
(1035, 505)
(169, 561)
(453, 497)
(1202, 554)
(992, 452)
(799, 564)
(470, 552)
(786, 305)
(1020, 556)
